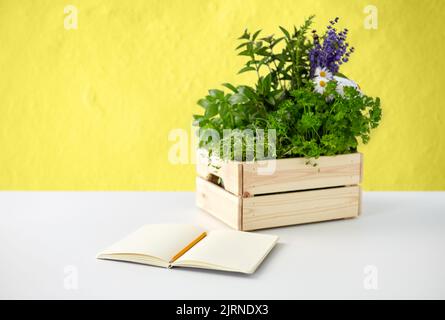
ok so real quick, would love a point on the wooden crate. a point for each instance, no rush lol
(296, 192)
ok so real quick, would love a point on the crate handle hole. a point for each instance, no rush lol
(215, 180)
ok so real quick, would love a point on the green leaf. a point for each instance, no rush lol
(222, 109)
(275, 42)
(268, 39)
(245, 69)
(211, 111)
(338, 74)
(286, 33)
(230, 86)
(263, 52)
(216, 93)
(247, 91)
(279, 94)
(245, 53)
(266, 83)
(238, 98)
(242, 45)
(255, 35)
(245, 35)
(203, 103)
(198, 120)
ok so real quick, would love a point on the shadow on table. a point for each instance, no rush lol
(378, 205)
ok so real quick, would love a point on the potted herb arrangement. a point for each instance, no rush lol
(284, 151)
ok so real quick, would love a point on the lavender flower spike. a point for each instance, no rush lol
(332, 51)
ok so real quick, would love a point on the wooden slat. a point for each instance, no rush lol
(269, 211)
(219, 202)
(229, 171)
(295, 174)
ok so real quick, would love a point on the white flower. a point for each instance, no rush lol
(323, 73)
(340, 89)
(343, 82)
(320, 84)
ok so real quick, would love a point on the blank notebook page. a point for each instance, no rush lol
(234, 250)
(158, 240)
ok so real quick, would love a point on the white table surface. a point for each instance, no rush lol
(48, 243)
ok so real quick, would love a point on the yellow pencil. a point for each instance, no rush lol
(188, 247)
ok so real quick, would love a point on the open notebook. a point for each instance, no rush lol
(171, 245)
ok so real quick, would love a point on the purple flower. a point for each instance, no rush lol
(332, 51)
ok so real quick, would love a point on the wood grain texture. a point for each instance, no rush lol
(229, 171)
(295, 174)
(296, 192)
(219, 202)
(269, 211)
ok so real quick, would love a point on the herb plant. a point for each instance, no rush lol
(299, 93)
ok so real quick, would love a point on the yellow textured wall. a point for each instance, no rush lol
(91, 109)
